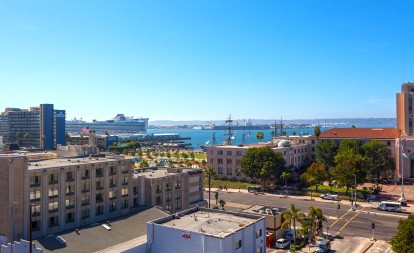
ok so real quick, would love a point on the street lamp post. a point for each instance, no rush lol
(355, 189)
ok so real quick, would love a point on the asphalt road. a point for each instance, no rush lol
(350, 223)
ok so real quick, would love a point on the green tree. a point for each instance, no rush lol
(348, 164)
(317, 132)
(262, 163)
(222, 203)
(325, 152)
(144, 164)
(315, 216)
(377, 158)
(403, 240)
(292, 215)
(317, 172)
(259, 136)
(284, 176)
(26, 137)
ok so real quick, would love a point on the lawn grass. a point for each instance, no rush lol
(229, 184)
(200, 156)
(339, 190)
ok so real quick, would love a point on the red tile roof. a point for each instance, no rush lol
(361, 133)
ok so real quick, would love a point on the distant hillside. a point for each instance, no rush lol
(346, 122)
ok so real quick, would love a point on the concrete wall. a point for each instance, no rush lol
(19, 247)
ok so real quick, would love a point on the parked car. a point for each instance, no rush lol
(282, 243)
(329, 196)
(324, 246)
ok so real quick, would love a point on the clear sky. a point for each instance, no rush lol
(201, 60)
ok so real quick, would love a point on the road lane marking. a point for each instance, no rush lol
(353, 217)
(339, 218)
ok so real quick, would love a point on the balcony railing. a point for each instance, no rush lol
(34, 200)
(53, 181)
(34, 184)
(70, 206)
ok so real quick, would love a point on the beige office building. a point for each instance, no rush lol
(58, 194)
(226, 159)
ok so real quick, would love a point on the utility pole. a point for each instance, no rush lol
(30, 230)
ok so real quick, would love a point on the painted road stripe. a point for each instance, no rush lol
(350, 220)
(340, 218)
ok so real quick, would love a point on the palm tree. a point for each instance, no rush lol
(209, 173)
(259, 136)
(26, 137)
(285, 175)
(292, 215)
(315, 215)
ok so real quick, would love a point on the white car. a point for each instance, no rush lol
(282, 243)
(329, 196)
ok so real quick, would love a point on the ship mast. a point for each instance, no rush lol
(229, 133)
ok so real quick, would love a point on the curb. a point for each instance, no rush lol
(366, 247)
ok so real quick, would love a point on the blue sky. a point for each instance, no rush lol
(201, 60)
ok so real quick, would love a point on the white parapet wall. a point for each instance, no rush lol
(19, 247)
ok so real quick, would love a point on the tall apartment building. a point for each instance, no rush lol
(226, 159)
(37, 127)
(405, 109)
(64, 193)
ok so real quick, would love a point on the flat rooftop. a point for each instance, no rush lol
(95, 238)
(211, 222)
(162, 172)
(64, 162)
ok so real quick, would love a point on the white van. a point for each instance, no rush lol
(389, 206)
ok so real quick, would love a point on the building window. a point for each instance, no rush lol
(69, 176)
(177, 185)
(53, 207)
(34, 181)
(112, 207)
(53, 193)
(238, 153)
(53, 221)
(99, 197)
(125, 181)
(229, 171)
(158, 200)
(258, 233)
(220, 170)
(135, 190)
(112, 194)
(85, 174)
(220, 161)
(70, 217)
(35, 210)
(69, 203)
(35, 196)
(220, 152)
(238, 244)
(36, 225)
(125, 203)
(70, 190)
(86, 186)
(53, 178)
(229, 161)
(158, 188)
(135, 202)
(388, 143)
(85, 200)
(124, 192)
(112, 171)
(99, 172)
(99, 185)
(229, 152)
(124, 170)
(99, 210)
(112, 182)
(85, 213)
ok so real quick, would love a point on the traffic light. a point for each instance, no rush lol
(373, 225)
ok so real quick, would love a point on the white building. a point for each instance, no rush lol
(207, 230)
